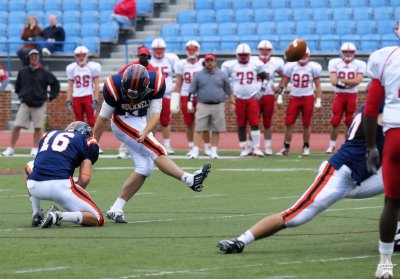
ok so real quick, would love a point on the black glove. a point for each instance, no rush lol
(69, 105)
(373, 160)
(95, 104)
(340, 85)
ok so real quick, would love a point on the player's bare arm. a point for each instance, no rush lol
(99, 127)
(96, 88)
(318, 90)
(151, 125)
(178, 83)
(350, 83)
(85, 173)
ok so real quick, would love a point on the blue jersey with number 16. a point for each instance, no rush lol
(60, 152)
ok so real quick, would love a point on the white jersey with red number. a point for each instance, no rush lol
(384, 65)
(302, 77)
(274, 65)
(243, 77)
(345, 70)
(83, 77)
(187, 70)
(165, 66)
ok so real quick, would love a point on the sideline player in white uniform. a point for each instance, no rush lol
(243, 73)
(302, 75)
(344, 175)
(83, 86)
(164, 62)
(346, 74)
(384, 69)
(185, 69)
(272, 66)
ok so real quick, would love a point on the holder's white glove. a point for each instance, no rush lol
(279, 101)
(317, 103)
(190, 106)
(175, 102)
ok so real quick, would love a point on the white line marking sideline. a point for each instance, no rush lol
(41, 269)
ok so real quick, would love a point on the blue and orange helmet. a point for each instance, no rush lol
(135, 82)
(80, 127)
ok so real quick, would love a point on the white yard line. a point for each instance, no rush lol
(41, 269)
(333, 260)
(5, 190)
(14, 196)
(211, 196)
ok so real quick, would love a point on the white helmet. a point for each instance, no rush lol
(81, 54)
(243, 52)
(264, 49)
(158, 47)
(192, 49)
(306, 57)
(350, 50)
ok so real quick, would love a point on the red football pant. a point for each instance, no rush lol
(303, 104)
(165, 116)
(188, 117)
(267, 104)
(391, 164)
(247, 110)
(343, 103)
(81, 106)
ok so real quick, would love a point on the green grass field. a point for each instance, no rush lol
(173, 231)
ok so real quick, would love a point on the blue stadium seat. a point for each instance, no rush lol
(394, 3)
(4, 5)
(224, 15)
(325, 27)
(363, 13)
(247, 28)
(205, 16)
(342, 14)
(3, 45)
(58, 14)
(34, 5)
(364, 27)
(256, 5)
(71, 17)
(285, 28)
(317, 4)
(298, 4)
(274, 39)
(171, 29)
(283, 14)
(227, 29)
(71, 43)
(3, 17)
(149, 40)
(72, 29)
(345, 27)
(145, 9)
(355, 39)
(222, 4)
(109, 32)
(389, 40)
(244, 15)
(92, 43)
(397, 13)
(15, 43)
(284, 40)
(187, 17)
(305, 27)
(51, 5)
(383, 13)
(190, 29)
(241, 4)
(302, 14)
(104, 16)
(174, 44)
(203, 4)
(229, 43)
(90, 5)
(209, 43)
(90, 30)
(71, 5)
(185, 39)
(266, 28)
(3, 30)
(370, 42)
(90, 16)
(312, 41)
(261, 15)
(385, 26)
(251, 40)
(329, 43)
(208, 29)
(16, 5)
(107, 4)
(323, 14)
(42, 19)
(15, 29)
(337, 4)
(377, 3)
(281, 4)
(17, 17)
(357, 3)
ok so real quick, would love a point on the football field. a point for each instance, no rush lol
(173, 231)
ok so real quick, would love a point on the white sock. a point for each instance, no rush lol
(207, 146)
(75, 217)
(118, 204)
(35, 205)
(243, 144)
(213, 149)
(187, 178)
(190, 144)
(267, 143)
(332, 143)
(255, 138)
(386, 250)
(246, 237)
(167, 143)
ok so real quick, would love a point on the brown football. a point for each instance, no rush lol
(296, 50)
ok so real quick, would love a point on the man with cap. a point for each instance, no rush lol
(211, 86)
(31, 87)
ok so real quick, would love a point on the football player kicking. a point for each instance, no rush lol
(344, 175)
(133, 100)
(49, 177)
